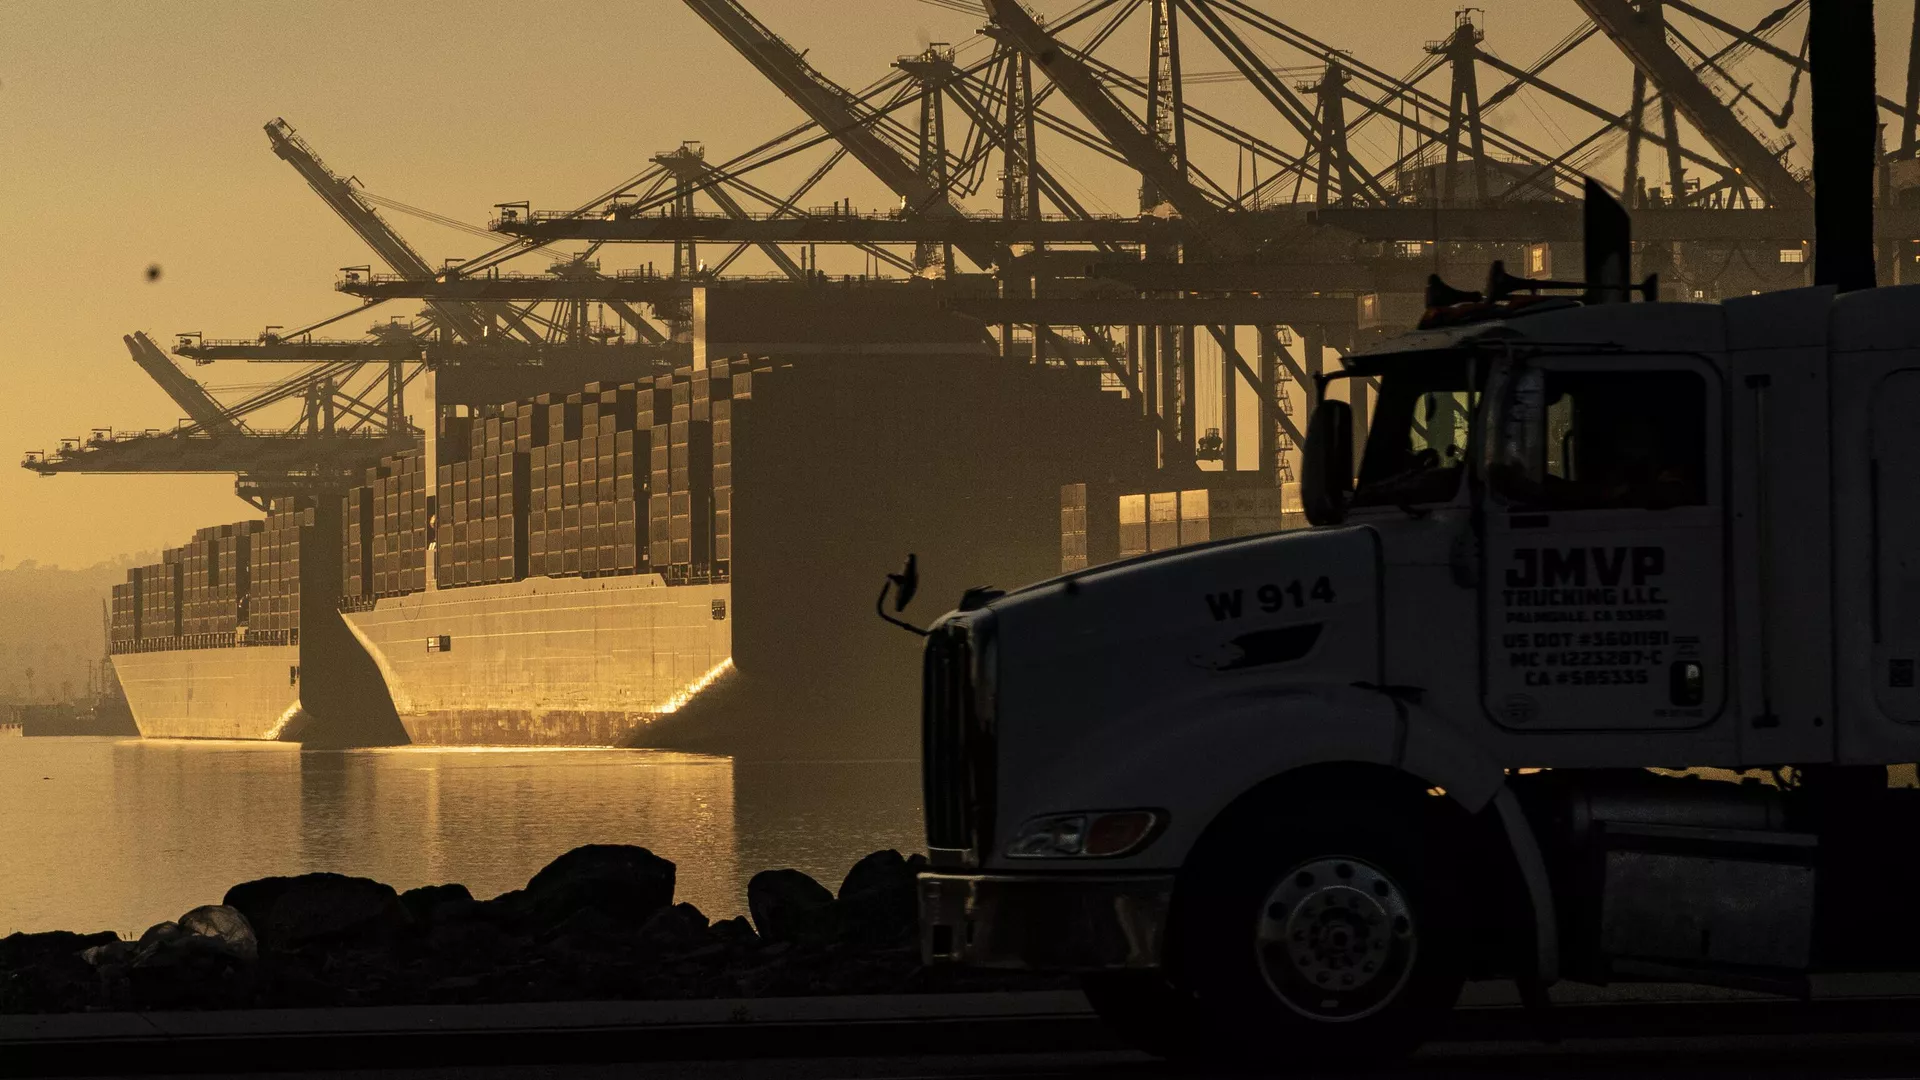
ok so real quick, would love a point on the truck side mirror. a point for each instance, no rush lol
(905, 583)
(1326, 474)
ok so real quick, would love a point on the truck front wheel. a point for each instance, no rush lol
(1331, 934)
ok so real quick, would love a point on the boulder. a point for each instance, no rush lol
(46, 972)
(736, 932)
(225, 926)
(255, 899)
(590, 930)
(626, 882)
(19, 951)
(788, 906)
(188, 970)
(878, 902)
(159, 934)
(109, 954)
(469, 945)
(318, 909)
(421, 903)
(673, 931)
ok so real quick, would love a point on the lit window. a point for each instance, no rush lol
(1793, 255)
(1699, 294)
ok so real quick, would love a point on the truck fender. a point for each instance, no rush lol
(1532, 864)
(1432, 747)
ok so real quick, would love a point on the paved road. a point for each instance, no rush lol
(963, 1036)
(1814, 1063)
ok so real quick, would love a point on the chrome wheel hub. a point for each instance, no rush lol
(1336, 938)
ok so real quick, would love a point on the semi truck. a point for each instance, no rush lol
(1598, 664)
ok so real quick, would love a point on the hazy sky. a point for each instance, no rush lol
(130, 134)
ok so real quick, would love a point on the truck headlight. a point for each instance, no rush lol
(1084, 834)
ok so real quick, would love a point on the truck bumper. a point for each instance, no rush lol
(1057, 922)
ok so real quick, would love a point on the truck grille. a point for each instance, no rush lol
(950, 738)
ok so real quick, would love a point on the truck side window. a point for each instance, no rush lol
(1621, 439)
(1417, 443)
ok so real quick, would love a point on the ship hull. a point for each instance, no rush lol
(236, 693)
(548, 661)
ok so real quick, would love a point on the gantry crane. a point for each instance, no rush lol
(1641, 39)
(688, 164)
(836, 111)
(1247, 255)
(187, 393)
(1230, 242)
(919, 179)
(337, 433)
(470, 322)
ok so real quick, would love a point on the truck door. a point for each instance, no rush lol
(1895, 502)
(1603, 592)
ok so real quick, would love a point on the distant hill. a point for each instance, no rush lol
(51, 623)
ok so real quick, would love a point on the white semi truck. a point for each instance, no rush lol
(1594, 668)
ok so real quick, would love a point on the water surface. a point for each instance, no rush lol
(121, 833)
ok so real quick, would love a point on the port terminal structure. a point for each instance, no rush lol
(1263, 240)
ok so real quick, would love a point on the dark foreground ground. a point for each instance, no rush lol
(1857, 1028)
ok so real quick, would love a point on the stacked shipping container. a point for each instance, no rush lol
(730, 391)
(273, 602)
(587, 492)
(615, 479)
(400, 526)
(1100, 523)
(156, 590)
(356, 539)
(227, 578)
(480, 532)
(122, 626)
(384, 530)
(214, 580)
(554, 470)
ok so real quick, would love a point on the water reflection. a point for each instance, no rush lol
(123, 833)
(821, 816)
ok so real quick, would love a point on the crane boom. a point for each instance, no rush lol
(1113, 122)
(199, 406)
(283, 458)
(834, 109)
(466, 320)
(1646, 46)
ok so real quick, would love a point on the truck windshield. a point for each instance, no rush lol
(1417, 442)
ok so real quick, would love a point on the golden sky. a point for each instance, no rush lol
(130, 134)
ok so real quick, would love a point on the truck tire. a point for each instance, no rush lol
(1326, 936)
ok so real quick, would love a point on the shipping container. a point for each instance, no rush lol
(1133, 526)
(1163, 520)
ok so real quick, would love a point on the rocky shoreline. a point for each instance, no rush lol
(598, 923)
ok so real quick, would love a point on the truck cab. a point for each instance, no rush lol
(1598, 663)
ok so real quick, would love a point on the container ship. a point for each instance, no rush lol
(685, 560)
(206, 641)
